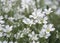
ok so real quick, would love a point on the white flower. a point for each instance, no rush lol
(42, 33)
(49, 28)
(11, 19)
(18, 16)
(5, 9)
(8, 28)
(45, 31)
(38, 16)
(1, 17)
(27, 3)
(26, 30)
(45, 20)
(33, 36)
(47, 35)
(20, 34)
(7, 5)
(28, 21)
(47, 11)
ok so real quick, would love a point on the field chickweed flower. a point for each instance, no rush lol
(47, 11)
(25, 21)
(33, 36)
(28, 21)
(8, 28)
(46, 29)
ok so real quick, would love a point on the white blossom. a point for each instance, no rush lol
(33, 36)
(38, 16)
(11, 19)
(35, 25)
(26, 30)
(27, 3)
(45, 31)
(47, 11)
(49, 27)
(28, 21)
(7, 28)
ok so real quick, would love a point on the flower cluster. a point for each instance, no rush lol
(24, 21)
(4, 29)
(45, 31)
(53, 4)
(7, 5)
